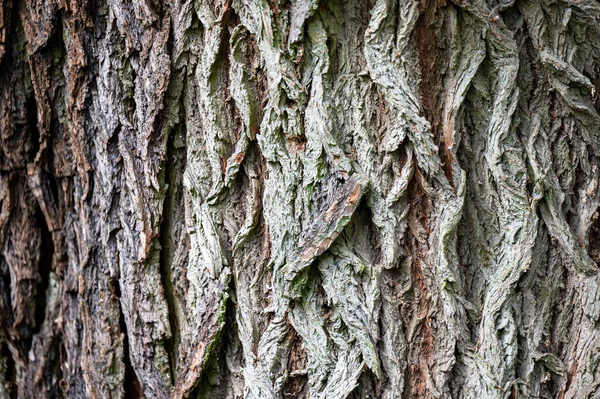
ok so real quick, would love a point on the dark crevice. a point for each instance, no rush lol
(53, 375)
(368, 386)
(128, 75)
(10, 376)
(32, 122)
(594, 239)
(171, 177)
(52, 185)
(161, 117)
(131, 385)
(13, 27)
(220, 81)
(420, 350)
(173, 159)
(430, 44)
(296, 386)
(216, 375)
(63, 384)
(44, 268)
(6, 318)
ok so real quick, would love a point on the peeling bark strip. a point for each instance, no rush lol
(292, 199)
(325, 229)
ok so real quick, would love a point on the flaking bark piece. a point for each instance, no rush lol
(323, 232)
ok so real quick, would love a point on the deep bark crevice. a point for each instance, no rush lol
(215, 372)
(46, 254)
(63, 384)
(32, 125)
(166, 251)
(53, 381)
(430, 45)
(6, 317)
(594, 239)
(368, 386)
(296, 385)
(418, 317)
(171, 174)
(131, 384)
(10, 376)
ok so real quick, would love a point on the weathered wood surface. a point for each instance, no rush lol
(293, 199)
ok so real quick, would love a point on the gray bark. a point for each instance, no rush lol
(294, 199)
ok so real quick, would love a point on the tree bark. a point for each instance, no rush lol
(294, 199)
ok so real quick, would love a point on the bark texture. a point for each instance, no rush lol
(299, 199)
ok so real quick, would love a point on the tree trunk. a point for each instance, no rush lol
(293, 199)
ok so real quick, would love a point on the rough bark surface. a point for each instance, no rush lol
(299, 198)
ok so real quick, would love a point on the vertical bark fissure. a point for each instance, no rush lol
(9, 369)
(166, 251)
(6, 317)
(46, 253)
(32, 125)
(215, 368)
(131, 384)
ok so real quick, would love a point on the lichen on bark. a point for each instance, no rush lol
(293, 199)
